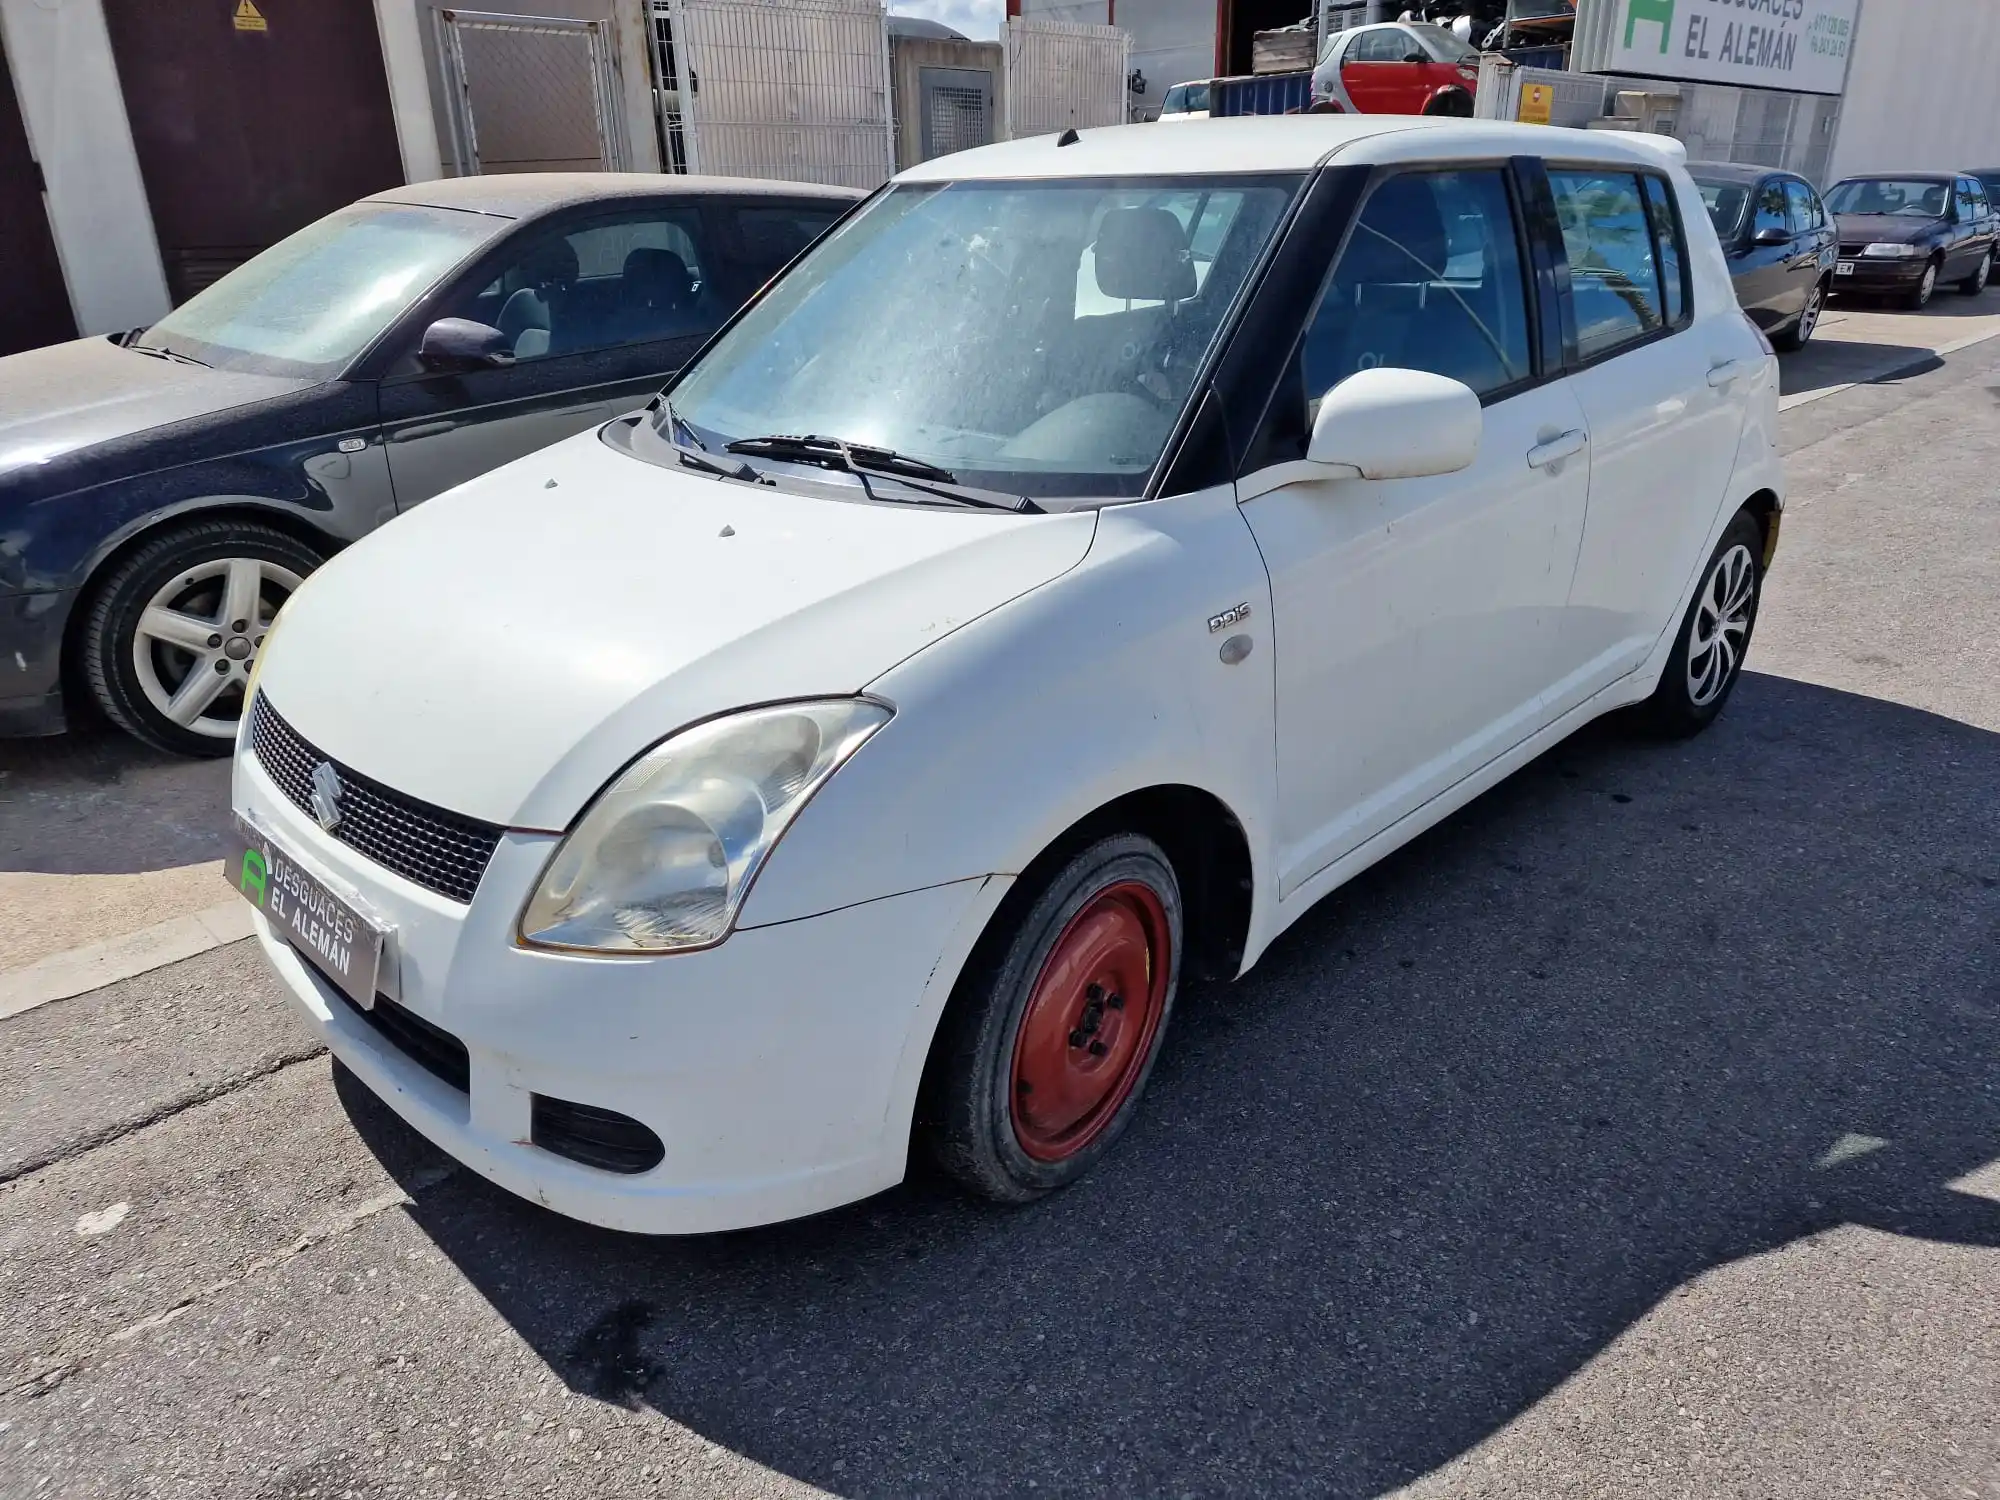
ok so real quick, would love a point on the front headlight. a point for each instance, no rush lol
(662, 859)
(1892, 252)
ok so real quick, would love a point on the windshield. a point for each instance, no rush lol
(313, 301)
(1444, 45)
(1724, 201)
(1035, 337)
(1919, 198)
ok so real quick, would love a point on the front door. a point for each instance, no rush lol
(251, 118)
(1377, 73)
(35, 308)
(1416, 620)
(598, 314)
(1764, 273)
(1661, 386)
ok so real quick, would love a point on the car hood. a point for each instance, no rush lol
(56, 400)
(505, 649)
(1885, 229)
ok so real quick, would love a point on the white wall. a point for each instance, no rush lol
(75, 113)
(1920, 91)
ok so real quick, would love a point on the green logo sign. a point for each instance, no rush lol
(251, 881)
(1649, 10)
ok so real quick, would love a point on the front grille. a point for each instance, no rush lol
(600, 1138)
(438, 850)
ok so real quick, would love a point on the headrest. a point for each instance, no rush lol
(657, 277)
(551, 263)
(1142, 254)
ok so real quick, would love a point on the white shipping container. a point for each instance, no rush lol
(1920, 92)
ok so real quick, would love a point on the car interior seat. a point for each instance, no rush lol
(531, 317)
(658, 294)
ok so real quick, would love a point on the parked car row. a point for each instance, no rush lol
(1893, 234)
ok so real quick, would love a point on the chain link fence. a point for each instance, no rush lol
(530, 93)
(1062, 76)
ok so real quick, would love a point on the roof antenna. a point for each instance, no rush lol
(1069, 137)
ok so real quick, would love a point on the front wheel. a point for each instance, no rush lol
(1715, 635)
(1926, 288)
(1974, 284)
(1048, 1043)
(174, 629)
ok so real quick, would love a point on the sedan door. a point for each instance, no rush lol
(1416, 621)
(1812, 241)
(596, 313)
(1766, 274)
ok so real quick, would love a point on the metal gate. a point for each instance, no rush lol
(1061, 76)
(531, 93)
(790, 89)
(957, 106)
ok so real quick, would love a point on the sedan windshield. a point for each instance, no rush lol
(313, 301)
(1917, 198)
(1039, 338)
(1724, 201)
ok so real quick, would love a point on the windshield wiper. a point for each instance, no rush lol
(173, 354)
(697, 455)
(863, 460)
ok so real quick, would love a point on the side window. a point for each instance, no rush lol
(604, 284)
(1613, 275)
(1386, 45)
(1772, 210)
(1800, 199)
(1671, 242)
(1430, 279)
(772, 236)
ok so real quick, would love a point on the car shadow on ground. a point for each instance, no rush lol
(1831, 361)
(97, 802)
(1644, 1010)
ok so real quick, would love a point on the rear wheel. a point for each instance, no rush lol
(1974, 284)
(175, 628)
(1453, 103)
(1048, 1044)
(1715, 635)
(1795, 337)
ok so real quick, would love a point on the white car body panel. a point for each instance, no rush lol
(806, 596)
(1411, 641)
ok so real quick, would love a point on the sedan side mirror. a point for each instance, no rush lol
(1772, 235)
(1397, 424)
(452, 344)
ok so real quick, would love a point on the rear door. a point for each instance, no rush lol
(599, 310)
(1812, 243)
(1660, 382)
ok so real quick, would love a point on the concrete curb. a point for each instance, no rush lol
(80, 970)
(1786, 403)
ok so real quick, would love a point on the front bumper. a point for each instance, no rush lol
(31, 633)
(778, 1069)
(1874, 273)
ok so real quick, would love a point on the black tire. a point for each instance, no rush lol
(109, 639)
(1453, 104)
(1794, 338)
(1926, 289)
(1974, 284)
(1676, 710)
(968, 1121)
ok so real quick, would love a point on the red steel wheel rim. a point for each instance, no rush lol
(1090, 1021)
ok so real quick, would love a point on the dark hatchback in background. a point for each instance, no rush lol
(162, 492)
(1903, 233)
(1780, 243)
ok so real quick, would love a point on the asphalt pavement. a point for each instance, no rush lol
(1636, 1132)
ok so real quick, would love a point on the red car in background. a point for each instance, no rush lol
(1397, 68)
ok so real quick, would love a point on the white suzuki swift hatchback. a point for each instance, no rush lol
(1089, 555)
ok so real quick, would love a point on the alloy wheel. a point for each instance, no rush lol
(1089, 1025)
(1809, 319)
(1720, 628)
(1928, 285)
(198, 636)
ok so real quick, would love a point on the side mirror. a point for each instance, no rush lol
(1416, 57)
(1397, 424)
(1773, 235)
(452, 344)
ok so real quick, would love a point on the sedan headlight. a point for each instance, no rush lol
(1892, 252)
(661, 861)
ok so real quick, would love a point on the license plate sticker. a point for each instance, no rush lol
(326, 927)
(1845, 268)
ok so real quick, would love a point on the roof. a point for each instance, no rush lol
(1281, 143)
(518, 195)
(918, 26)
(1735, 171)
(1922, 174)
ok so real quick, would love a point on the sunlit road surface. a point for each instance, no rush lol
(1632, 1134)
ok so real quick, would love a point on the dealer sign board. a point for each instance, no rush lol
(1800, 45)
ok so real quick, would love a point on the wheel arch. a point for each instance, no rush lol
(1765, 509)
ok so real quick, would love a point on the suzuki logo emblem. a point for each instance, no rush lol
(326, 790)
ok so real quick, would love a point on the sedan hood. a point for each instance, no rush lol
(1884, 229)
(75, 395)
(505, 649)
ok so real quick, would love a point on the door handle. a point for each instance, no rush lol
(1556, 449)
(1721, 374)
(421, 430)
